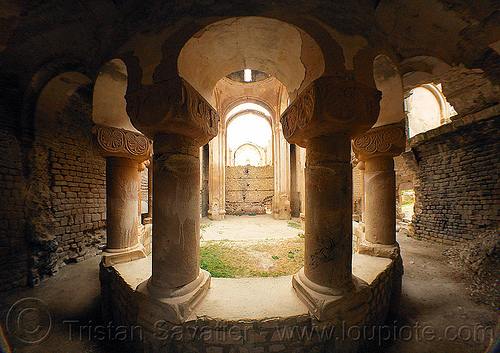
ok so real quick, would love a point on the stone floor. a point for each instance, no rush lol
(435, 307)
(257, 227)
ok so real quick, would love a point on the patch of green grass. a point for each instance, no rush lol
(294, 225)
(408, 202)
(204, 227)
(216, 259)
(230, 259)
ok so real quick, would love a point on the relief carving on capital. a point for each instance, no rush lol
(172, 107)
(389, 139)
(330, 105)
(115, 142)
(200, 112)
(300, 112)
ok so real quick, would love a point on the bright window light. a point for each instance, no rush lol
(247, 76)
(247, 106)
(248, 128)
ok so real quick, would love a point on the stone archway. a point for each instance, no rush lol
(333, 101)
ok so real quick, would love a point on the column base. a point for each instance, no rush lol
(282, 215)
(172, 305)
(217, 215)
(326, 306)
(391, 251)
(303, 222)
(111, 257)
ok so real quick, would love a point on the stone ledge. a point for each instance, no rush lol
(257, 310)
(111, 257)
(379, 250)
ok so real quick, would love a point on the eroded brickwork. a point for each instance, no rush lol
(357, 189)
(54, 196)
(71, 181)
(13, 248)
(457, 186)
(249, 189)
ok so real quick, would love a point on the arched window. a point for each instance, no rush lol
(427, 109)
(249, 136)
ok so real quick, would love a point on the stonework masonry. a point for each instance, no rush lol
(249, 189)
(13, 249)
(457, 183)
(356, 190)
(76, 182)
(61, 193)
(299, 333)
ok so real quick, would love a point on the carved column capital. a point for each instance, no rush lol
(329, 105)
(386, 140)
(114, 142)
(173, 107)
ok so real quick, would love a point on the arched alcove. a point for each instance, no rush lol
(268, 45)
(427, 109)
(109, 105)
(63, 166)
(248, 154)
(388, 81)
(251, 130)
(55, 97)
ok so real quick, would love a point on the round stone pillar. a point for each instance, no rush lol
(176, 214)
(377, 148)
(380, 191)
(323, 119)
(179, 121)
(124, 151)
(122, 200)
(328, 238)
(361, 167)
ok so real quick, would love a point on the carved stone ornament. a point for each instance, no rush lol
(384, 140)
(114, 142)
(330, 105)
(172, 107)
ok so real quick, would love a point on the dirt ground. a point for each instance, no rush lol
(436, 312)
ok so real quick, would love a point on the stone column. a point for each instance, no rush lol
(323, 119)
(294, 187)
(217, 182)
(124, 151)
(281, 199)
(377, 148)
(177, 284)
(361, 167)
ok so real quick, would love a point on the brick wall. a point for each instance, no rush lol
(13, 247)
(54, 195)
(74, 181)
(356, 190)
(457, 186)
(249, 189)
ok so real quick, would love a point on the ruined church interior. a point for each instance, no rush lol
(250, 176)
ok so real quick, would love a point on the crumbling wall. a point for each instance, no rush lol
(249, 189)
(66, 191)
(13, 246)
(457, 185)
(357, 188)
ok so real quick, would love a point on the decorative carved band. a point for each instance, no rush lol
(110, 141)
(386, 139)
(300, 112)
(328, 105)
(200, 112)
(175, 107)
